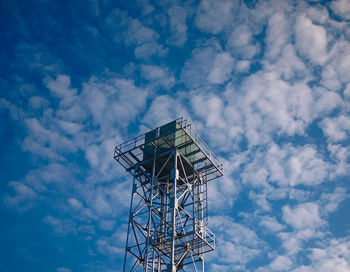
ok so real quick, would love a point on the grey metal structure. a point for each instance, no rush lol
(167, 228)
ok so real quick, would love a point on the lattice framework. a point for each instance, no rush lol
(167, 229)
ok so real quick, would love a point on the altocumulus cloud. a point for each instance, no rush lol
(266, 84)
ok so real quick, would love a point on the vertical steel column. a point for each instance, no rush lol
(162, 228)
(201, 181)
(145, 267)
(173, 213)
(133, 190)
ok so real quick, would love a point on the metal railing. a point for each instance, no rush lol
(201, 144)
(205, 234)
(182, 122)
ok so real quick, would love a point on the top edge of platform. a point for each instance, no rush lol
(181, 124)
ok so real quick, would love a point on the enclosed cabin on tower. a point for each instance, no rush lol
(177, 134)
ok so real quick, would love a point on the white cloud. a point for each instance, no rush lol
(76, 112)
(114, 101)
(281, 263)
(299, 195)
(271, 105)
(213, 16)
(70, 108)
(222, 69)
(116, 24)
(63, 269)
(326, 102)
(255, 173)
(70, 128)
(226, 268)
(243, 66)
(260, 199)
(169, 107)
(119, 194)
(223, 192)
(80, 211)
(340, 155)
(347, 92)
(336, 129)
(292, 242)
(99, 158)
(232, 253)
(145, 40)
(22, 198)
(150, 49)
(60, 227)
(157, 75)
(241, 36)
(341, 8)
(110, 246)
(145, 6)
(101, 205)
(196, 70)
(333, 256)
(45, 142)
(330, 78)
(306, 167)
(61, 89)
(94, 202)
(15, 112)
(52, 176)
(210, 103)
(288, 65)
(331, 201)
(124, 28)
(240, 43)
(339, 60)
(318, 13)
(286, 166)
(222, 125)
(303, 216)
(106, 224)
(234, 232)
(271, 223)
(37, 102)
(75, 204)
(35, 57)
(311, 40)
(177, 18)
(236, 244)
(140, 34)
(110, 250)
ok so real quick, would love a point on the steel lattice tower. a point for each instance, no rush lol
(167, 228)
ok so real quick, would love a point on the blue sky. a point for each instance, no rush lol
(265, 83)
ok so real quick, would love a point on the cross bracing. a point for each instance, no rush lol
(167, 228)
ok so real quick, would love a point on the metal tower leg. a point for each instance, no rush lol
(174, 176)
(129, 222)
(150, 204)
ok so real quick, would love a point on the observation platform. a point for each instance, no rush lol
(177, 134)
